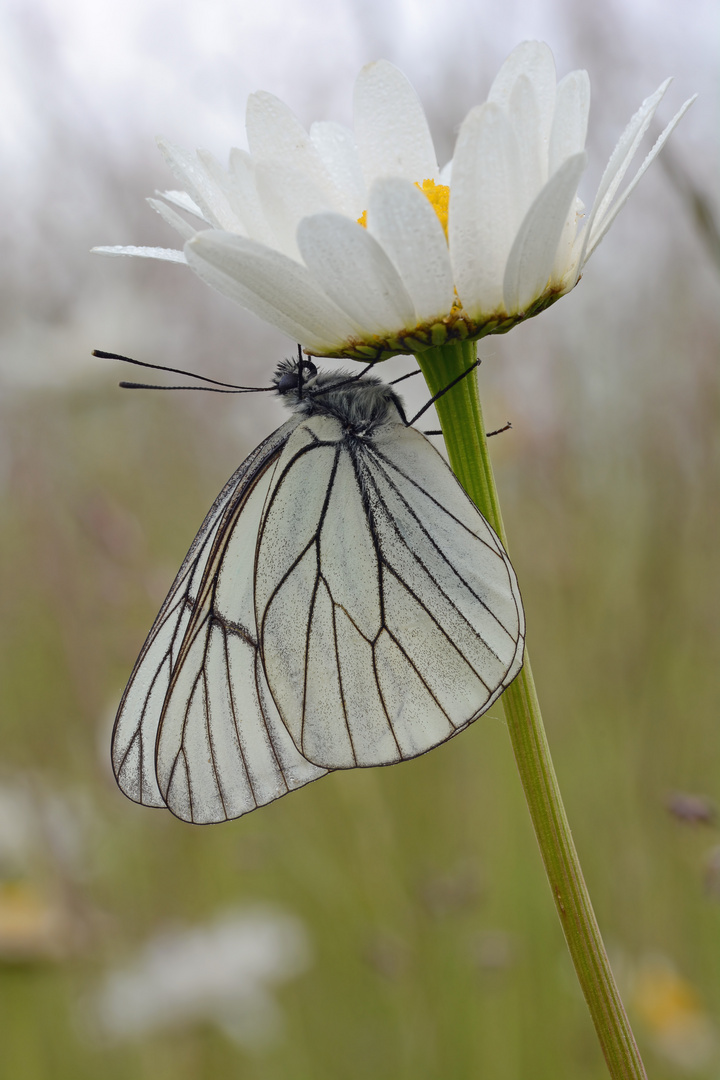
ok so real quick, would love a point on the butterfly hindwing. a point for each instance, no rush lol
(138, 716)
(389, 615)
(197, 729)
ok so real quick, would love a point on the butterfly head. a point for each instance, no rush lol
(360, 401)
(295, 377)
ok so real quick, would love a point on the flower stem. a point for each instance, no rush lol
(462, 424)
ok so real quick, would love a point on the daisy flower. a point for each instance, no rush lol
(356, 244)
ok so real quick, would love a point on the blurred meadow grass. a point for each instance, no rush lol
(436, 947)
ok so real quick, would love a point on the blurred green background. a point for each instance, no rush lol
(432, 949)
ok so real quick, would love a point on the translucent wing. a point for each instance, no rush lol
(389, 614)
(197, 729)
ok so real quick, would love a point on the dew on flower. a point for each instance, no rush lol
(356, 243)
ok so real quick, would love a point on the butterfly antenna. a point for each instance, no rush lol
(229, 387)
(445, 389)
(208, 389)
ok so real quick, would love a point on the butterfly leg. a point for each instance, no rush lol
(444, 390)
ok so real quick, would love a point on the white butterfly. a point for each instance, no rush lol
(344, 604)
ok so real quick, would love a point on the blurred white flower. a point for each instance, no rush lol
(43, 915)
(222, 973)
(356, 243)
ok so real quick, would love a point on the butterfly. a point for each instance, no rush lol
(344, 604)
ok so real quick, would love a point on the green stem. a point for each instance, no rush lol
(462, 424)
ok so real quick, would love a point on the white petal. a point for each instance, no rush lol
(535, 60)
(533, 253)
(189, 170)
(336, 146)
(405, 224)
(446, 173)
(564, 271)
(274, 287)
(355, 272)
(273, 129)
(569, 128)
(242, 175)
(602, 227)
(233, 191)
(275, 135)
(173, 219)
(183, 200)
(391, 131)
(619, 163)
(286, 196)
(166, 254)
(291, 178)
(524, 113)
(485, 200)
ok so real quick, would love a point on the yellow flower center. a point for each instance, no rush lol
(438, 196)
(665, 999)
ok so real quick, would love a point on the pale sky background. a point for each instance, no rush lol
(145, 66)
(86, 86)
